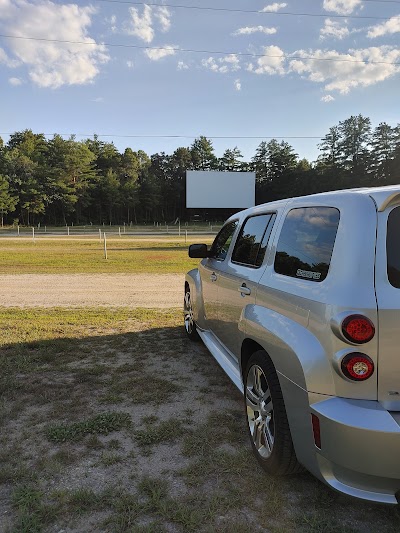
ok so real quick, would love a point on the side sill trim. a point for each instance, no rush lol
(226, 362)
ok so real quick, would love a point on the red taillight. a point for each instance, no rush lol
(316, 430)
(357, 366)
(358, 329)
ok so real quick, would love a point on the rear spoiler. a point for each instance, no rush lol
(383, 200)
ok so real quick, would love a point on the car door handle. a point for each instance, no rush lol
(244, 291)
(213, 277)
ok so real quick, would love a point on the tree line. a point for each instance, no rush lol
(63, 181)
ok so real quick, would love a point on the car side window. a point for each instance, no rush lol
(305, 244)
(253, 239)
(222, 241)
(392, 248)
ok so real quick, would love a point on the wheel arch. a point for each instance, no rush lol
(295, 352)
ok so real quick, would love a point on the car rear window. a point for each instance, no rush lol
(253, 240)
(306, 242)
(393, 248)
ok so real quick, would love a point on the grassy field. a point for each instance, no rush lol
(113, 421)
(74, 255)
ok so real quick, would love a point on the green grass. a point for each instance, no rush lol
(67, 461)
(74, 256)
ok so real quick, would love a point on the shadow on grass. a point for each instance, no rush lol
(81, 403)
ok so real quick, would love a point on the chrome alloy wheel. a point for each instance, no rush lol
(188, 314)
(260, 411)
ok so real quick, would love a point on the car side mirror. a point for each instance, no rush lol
(198, 251)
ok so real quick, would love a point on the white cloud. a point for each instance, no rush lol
(390, 26)
(130, 64)
(238, 85)
(272, 63)
(98, 100)
(223, 65)
(113, 23)
(327, 98)
(15, 81)
(249, 30)
(164, 17)
(182, 66)
(142, 25)
(342, 7)
(12, 63)
(53, 64)
(158, 53)
(351, 71)
(273, 8)
(334, 29)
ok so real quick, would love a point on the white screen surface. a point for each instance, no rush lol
(211, 189)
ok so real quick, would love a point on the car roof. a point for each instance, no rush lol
(383, 197)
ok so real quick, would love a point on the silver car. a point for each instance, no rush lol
(299, 302)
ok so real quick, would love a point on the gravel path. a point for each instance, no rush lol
(90, 290)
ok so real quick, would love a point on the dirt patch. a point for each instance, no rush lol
(90, 290)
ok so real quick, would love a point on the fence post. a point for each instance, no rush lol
(105, 246)
(45, 229)
(185, 235)
(68, 231)
(167, 229)
(100, 234)
(33, 234)
(18, 230)
(179, 229)
(119, 232)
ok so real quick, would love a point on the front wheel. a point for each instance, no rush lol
(266, 417)
(190, 326)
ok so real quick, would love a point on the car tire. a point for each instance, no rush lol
(266, 417)
(190, 325)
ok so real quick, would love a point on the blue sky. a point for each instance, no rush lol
(271, 78)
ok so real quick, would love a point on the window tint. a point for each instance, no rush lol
(393, 248)
(253, 239)
(222, 241)
(306, 242)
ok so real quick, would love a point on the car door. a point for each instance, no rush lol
(210, 270)
(238, 281)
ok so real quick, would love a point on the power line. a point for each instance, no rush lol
(253, 11)
(191, 50)
(255, 137)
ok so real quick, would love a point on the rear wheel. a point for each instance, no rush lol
(190, 326)
(266, 417)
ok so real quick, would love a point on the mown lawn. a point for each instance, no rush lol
(113, 421)
(125, 255)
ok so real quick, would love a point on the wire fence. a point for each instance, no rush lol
(131, 230)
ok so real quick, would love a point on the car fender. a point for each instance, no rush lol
(295, 352)
(193, 279)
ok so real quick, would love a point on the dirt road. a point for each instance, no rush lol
(90, 290)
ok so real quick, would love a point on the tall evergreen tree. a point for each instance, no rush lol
(203, 156)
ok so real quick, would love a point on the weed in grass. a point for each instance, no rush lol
(319, 522)
(165, 431)
(150, 419)
(93, 442)
(32, 513)
(211, 435)
(144, 388)
(102, 424)
(110, 459)
(65, 457)
(114, 444)
(127, 510)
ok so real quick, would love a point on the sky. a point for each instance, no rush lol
(154, 77)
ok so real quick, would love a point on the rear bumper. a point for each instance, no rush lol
(360, 448)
